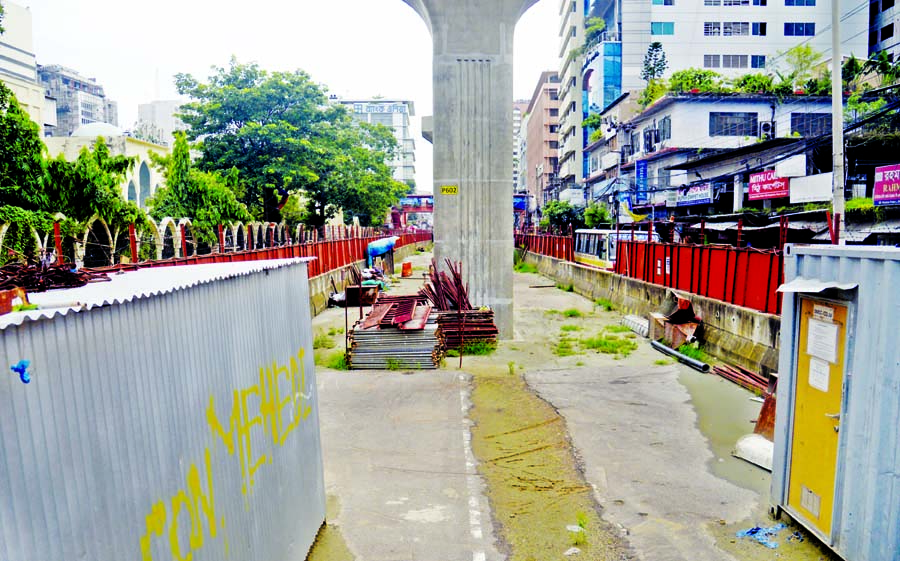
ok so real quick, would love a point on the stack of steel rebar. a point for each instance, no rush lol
(743, 377)
(470, 327)
(400, 332)
(39, 278)
(447, 292)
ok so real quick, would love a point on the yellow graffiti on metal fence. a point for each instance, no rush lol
(276, 414)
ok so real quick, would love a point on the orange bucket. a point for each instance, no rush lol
(406, 271)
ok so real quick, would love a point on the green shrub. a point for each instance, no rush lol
(338, 361)
(605, 304)
(523, 267)
(478, 348)
(610, 345)
(572, 313)
(567, 328)
(323, 341)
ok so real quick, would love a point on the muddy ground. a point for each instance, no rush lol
(575, 435)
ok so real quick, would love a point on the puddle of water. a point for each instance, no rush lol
(724, 413)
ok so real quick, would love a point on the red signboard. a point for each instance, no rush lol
(764, 185)
(887, 185)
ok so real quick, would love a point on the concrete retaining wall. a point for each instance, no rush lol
(320, 286)
(734, 334)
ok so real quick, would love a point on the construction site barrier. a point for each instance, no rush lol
(558, 247)
(741, 276)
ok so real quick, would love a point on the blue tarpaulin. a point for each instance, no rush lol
(380, 247)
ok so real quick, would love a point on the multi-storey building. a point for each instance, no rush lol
(79, 100)
(157, 121)
(571, 39)
(18, 68)
(393, 113)
(520, 107)
(542, 139)
(884, 28)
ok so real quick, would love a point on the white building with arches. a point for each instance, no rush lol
(142, 181)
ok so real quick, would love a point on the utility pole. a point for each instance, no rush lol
(837, 122)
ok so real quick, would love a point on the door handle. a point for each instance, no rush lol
(835, 416)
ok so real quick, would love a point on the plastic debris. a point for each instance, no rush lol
(572, 551)
(763, 535)
(21, 368)
(796, 536)
(574, 528)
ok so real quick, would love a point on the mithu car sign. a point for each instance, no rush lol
(765, 185)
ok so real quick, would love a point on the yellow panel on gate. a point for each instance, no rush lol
(817, 409)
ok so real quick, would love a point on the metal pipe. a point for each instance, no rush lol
(693, 363)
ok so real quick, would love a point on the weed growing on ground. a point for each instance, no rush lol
(338, 361)
(523, 267)
(693, 352)
(564, 347)
(323, 341)
(511, 366)
(610, 345)
(662, 362)
(478, 348)
(566, 287)
(579, 363)
(616, 328)
(572, 313)
(579, 538)
(570, 328)
(581, 519)
(453, 353)
(606, 304)
(393, 364)
(335, 331)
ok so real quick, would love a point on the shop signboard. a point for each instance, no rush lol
(766, 185)
(640, 172)
(701, 194)
(887, 185)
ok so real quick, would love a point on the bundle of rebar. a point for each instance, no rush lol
(468, 327)
(446, 292)
(743, 377)
(393, 348)
(36, 278)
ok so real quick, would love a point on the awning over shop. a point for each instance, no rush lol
(801, 284)
(603, 188)
(859, 232)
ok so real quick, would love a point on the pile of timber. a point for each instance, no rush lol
(744, 378)
(401, 332)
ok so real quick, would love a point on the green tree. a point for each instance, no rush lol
(882, 66)
(593, 31)
(561, 215)
(851, 71)
(655, 63)
(798, 65)
(2, 30)
(754, 83)
(655, 89)
(595, 215)
(698, 79)
(204, 197)
(23, 173)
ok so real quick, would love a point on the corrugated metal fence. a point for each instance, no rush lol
(558, 247)
(182, 424)
(741, 276)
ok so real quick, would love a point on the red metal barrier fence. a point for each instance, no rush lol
(741, 276)
(558, 247)
(330, 254)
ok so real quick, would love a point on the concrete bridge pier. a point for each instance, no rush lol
(473, 94)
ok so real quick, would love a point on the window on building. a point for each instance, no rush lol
(554, 129)
(712, 28)
(730, 28)
(554, 112)
(759, 2)
(885, 4)
(758, 61)
(574, 31)
(799, 29)
(635, 142)
(710, 61)
(734, 61)
(873, 37)
(664, 2)
(810, 124)
(664, 177)
(554, 144)
(554, 95)
(712, 2)
(662, 28)
(799, 2)
(735, 2)
(759, 28)
(665, 128)
(733, 124)
(887, 31)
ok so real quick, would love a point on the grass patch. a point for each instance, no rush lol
(393, 364)
(453, 353)
(693, 352)
(323, 341)
(523, 267)
(610, 345)
(662, 362)
(617, 328)
(578, 538)
(337, 361)
(570, 328)
(572, 313)
(606, 304)
(335, 331)
(511, 366)
(478, 348)
(564, 348)
(566, 287)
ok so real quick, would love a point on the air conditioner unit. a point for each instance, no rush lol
(767, 130)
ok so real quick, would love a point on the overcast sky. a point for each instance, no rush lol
(357, 48)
